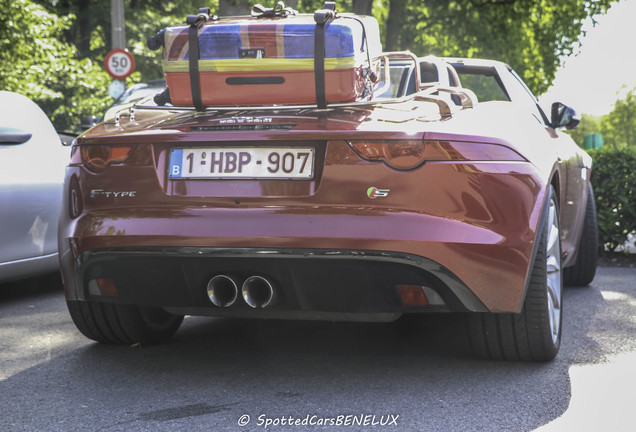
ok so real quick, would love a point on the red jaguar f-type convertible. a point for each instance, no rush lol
(450, 191)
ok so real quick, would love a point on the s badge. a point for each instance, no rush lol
(374, 192)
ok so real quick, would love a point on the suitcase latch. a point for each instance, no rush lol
(256, 53)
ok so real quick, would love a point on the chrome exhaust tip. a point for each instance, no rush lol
(223, 290)
(258, 292)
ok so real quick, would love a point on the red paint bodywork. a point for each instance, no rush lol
(477, 219)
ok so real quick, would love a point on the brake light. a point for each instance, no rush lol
(98, 157)
(409, 154)
(469, 151)
(398, 154)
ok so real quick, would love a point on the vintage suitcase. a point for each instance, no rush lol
(270, 60)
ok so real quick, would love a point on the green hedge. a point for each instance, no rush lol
(614, 182)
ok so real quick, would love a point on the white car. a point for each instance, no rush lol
(32, 164)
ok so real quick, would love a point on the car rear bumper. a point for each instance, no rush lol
(490, 266)
(307, 283)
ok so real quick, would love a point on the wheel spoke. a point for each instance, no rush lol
(553, 231)
(554, 293)
(554, 323)
(553, 272)
(553, 264)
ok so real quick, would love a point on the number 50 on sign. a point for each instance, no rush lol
(119, 63)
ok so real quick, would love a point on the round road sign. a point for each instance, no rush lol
(119, 63)
(116, 89)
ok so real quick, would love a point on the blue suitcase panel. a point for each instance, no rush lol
(274, 38)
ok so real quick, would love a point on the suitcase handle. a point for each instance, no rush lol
(157, 41)
(204, 15)
(267, 80)
(326, 14)
(260, 11)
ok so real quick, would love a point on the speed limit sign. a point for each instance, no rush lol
(119, 63)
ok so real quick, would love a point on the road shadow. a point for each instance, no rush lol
(27, 287)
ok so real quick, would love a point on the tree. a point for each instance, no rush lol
(234, 7)
(532, 36)
(394, 26)
(37, 64)
(362, 7)
(588, 125)
(619, 126)
(614, 181)
(53, 51)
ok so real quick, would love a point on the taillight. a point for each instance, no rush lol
(400, 154)
(409, 154)
(98, 157)
(469, 151)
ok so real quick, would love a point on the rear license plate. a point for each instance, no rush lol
(242, 163)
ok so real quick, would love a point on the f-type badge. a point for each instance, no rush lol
(95, 193)
(374, 192)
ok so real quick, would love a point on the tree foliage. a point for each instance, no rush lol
(589, 124)
(53, 50)
(614, 181)
(530, 35)
(618, 128)
(36, 63)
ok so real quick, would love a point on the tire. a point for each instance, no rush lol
(123, 324)
(584, 268)
(535, 333)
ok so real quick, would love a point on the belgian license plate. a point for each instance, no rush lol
(242, 163)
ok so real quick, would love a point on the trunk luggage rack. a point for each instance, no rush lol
(432, 92)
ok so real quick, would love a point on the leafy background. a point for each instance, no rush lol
(614, 182)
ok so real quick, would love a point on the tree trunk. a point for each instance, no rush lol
(362, 7)
(235, 7)
(84, 28)
(394, 25)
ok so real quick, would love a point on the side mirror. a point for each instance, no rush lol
(563, 116)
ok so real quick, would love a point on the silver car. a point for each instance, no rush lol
(32, 164)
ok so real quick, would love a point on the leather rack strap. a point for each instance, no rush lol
(321, 17)
(195, 22)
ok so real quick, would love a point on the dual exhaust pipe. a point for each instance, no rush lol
(257, 291)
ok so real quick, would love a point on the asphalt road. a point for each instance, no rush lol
(412, 375)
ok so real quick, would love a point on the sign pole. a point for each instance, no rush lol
(118, 40)
(118, 25)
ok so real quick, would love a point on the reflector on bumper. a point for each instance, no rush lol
(102, 287)
(415, 295)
